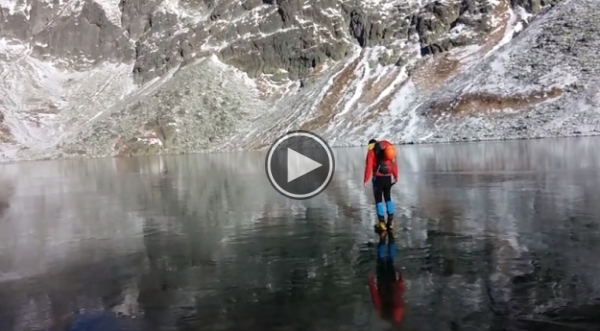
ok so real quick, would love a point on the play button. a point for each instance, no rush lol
(300, 165)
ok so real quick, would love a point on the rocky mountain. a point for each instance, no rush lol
(108, 77)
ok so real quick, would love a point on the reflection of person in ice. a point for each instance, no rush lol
(388, 287)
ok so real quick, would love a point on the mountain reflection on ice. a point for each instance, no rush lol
(490, 236)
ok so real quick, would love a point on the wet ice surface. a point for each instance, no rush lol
(490, 236)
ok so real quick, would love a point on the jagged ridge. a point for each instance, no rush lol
(340, 68)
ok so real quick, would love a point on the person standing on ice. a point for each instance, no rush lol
(382, 170)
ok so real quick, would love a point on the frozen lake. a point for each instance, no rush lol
(489, 236)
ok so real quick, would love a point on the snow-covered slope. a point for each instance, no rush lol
(98, 78)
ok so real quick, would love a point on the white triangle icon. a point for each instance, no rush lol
(299, 165)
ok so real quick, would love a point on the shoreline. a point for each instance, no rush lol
(337, 146)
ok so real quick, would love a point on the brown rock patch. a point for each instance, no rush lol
(74, 151)
(34, 119)
(437, 70)
(502, 12)
(374, 89)
(45, 107)
(5, 134)
(164, 130)
(264, 90)
(383, 105)
(260, 145)
(318, 70)
(478, 103)
(120, 145)
(134, 147)
(327, 106)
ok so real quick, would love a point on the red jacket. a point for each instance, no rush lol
(396, 311)
(371, 163)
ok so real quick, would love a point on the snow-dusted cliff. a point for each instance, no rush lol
(99, 78)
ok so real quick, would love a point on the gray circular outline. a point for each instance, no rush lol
(321, 142)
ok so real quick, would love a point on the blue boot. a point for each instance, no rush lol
(380, 217)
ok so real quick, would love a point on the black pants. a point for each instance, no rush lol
(382, 187)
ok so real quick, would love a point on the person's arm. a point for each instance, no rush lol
(395, 170)
(374, 293)
(368, 167)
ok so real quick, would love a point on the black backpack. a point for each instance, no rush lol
(382, 167)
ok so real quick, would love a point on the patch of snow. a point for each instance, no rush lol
(331, 13)
(111, 9)
(364, 68)
(254, 15)
(150, 141)
(406, 95)
(456, 31)
(11, 49)
(33, 89)
(172, 6)
(509, 30)
(13, 6)
(403, 97)
(324, 91)
(238, 73)
(522, 13)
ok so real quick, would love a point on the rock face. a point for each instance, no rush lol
(166, 76)
(77, 31)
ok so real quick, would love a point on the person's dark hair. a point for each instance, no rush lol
(372, 141)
